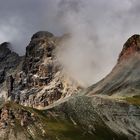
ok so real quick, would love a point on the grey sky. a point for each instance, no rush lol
(99, 29)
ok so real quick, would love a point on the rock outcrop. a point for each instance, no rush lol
(8, 60)
(18, 123)
(40, 80)
(124, 79)
(130, 48)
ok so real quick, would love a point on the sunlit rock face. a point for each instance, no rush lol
(39, 79)
(124, 79)
(130, 48)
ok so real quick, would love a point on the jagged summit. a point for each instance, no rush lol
(42, 34)
(4, 49)
(8, 60)
(131, 47)
(5, 44)
(40, 79)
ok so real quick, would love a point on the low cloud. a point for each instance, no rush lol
(98, 30)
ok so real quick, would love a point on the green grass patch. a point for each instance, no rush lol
(135, 100)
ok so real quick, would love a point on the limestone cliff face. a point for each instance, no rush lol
(40, 80)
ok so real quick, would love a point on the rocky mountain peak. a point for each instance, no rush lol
(4, 50)
(42, 34)
(8, 60)
(40, 79)
(131, 47)
(124, 79)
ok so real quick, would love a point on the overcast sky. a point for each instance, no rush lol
(99, 29)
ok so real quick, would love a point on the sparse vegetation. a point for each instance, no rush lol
(135, 100)
(55, 128)
(59, 128)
